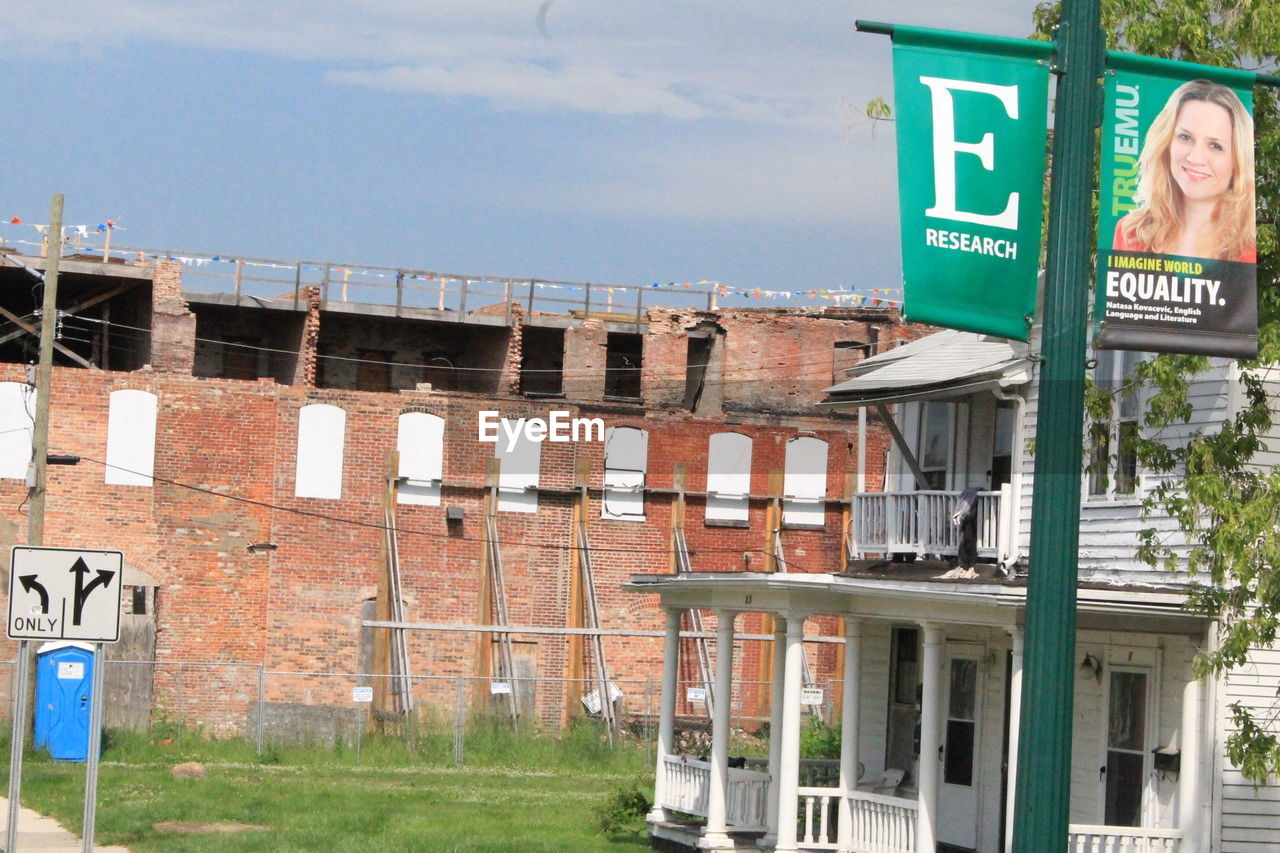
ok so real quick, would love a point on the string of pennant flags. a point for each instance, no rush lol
(880, 297)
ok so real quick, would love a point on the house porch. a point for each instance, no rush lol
(703, 803)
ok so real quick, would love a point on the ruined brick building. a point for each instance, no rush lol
(235, 448)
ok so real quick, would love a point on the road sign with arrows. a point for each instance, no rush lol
(65, 594)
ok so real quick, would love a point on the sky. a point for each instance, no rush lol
(622, 142)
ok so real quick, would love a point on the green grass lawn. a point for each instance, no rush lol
(514, 794)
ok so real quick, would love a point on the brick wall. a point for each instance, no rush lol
(225, 474)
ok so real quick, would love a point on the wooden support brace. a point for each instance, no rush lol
(773, 521)
(382, 604)
(575, 668)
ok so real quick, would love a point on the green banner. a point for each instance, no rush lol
(1176, 231)
(972, 119)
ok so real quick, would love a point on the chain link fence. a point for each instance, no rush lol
(337, 709)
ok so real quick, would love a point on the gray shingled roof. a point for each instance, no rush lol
(944, 364)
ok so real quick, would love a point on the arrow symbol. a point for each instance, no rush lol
(30, 583)
(79, 569)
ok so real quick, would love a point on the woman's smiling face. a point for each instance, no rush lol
(1200, 156)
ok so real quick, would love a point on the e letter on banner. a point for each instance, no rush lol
(972, 127)
(1176, 230)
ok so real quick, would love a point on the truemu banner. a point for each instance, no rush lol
(971, 115)
(1176, 233)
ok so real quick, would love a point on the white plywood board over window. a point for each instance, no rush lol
(626, 459)
(420, 440)
(804, 484)
(17, 418)
(520, 463)
(321, 439)
(728, 476)
(131, 438)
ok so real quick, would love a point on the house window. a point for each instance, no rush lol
(17, 419)
(420, 441)
(626, 455)
(373, 370)
(131, 438)
(844, 356)
(962, 702)
(137, 600)
(321, 438)
(1002, 450)
(1113, 461)
(804, 482)
(519, 466)
(1127, 746)
(697, 357)
(622, 362)
(902, 738)
(935, 443)
(728, 477)
(542, 362)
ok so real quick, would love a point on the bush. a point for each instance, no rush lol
(818, 740)
(623, 812)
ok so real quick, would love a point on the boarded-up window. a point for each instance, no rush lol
(131, 438)
(518, 476)
(17, 419)
(626, 457)
(805, 482)
(728, 476)
(420, 440)
(321, 437)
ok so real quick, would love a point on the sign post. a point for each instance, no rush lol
(1044, 754)
(1040, 823)
(62, 594)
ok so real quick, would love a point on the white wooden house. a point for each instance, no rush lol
(932, 659)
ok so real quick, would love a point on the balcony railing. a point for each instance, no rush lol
(688, 781)
(1085, 838)
(920, 523)
(881, 824)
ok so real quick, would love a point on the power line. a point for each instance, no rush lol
(355, 522)
(778, 364)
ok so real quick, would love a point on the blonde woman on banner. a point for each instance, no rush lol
(1196, 179)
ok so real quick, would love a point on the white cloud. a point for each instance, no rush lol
(514, 86)
(810, 180)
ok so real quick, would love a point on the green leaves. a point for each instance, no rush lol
(1223, 496)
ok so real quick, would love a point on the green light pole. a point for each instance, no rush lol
(1044, 746)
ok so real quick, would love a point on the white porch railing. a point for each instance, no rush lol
(881, 824)
(687, 783)
(1085, 838)
(919, 523)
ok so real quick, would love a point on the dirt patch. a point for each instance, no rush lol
(193, 828)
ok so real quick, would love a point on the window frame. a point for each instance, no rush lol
(1116, 476)
(623, 482)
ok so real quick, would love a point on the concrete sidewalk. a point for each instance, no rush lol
(37, 832)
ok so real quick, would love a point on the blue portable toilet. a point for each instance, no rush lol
(64, 680)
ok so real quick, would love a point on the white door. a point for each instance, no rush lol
(958, 793)
(1126, 765)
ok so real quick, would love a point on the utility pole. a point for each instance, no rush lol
(1044, 753)
(35, 517)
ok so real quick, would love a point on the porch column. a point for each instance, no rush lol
(1015, 720)
(775, 725)
(1189, 765)
(666, 712)
(715, 836)
(930, 739)
(789, 760)
(849, 727)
